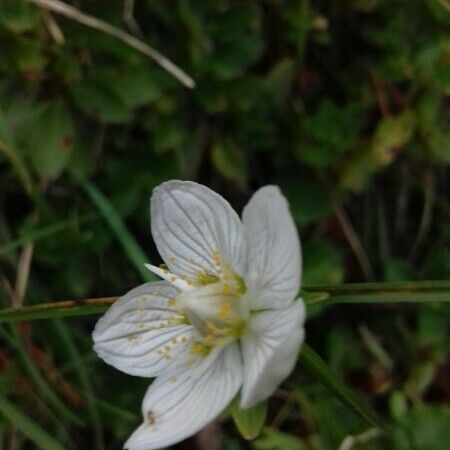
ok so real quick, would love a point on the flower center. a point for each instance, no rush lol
(216, 310)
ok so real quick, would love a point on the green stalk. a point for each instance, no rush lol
(375, 293)
(67, 308)
(408, 292)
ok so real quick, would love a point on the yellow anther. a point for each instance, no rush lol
(200, 349)
(226, 289)
(225, 310)
(171, 302)
(237, 330)
(204, 278)
(240, 282)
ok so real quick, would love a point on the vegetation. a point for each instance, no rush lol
(342, 104)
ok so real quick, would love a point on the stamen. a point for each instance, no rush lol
(200, 349)
(171, 278)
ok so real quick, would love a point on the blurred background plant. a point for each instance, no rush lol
(343, 104)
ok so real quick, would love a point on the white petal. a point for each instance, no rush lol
(191, 225)
(273, 276)
(177, 408)
(143, 333)
(270, 350)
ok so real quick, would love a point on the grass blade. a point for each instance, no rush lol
(66, 339)
(39, 381)
(27, 426)
(38, 234)
(319, 369)
(129, 244)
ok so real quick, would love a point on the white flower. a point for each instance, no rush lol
(225, 318)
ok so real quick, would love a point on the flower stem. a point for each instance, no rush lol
(410, 292)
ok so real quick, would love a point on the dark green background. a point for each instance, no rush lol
(344, 104)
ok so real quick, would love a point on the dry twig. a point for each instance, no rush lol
(92, 22)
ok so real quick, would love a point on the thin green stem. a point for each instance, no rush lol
(410, 292)
(318, 368)
(67, 308)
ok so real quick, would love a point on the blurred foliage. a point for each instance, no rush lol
(344, 104)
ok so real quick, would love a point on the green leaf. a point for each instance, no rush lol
(279, 81)
(99, 102)
(126, 239)
(27, 426)
(16, 161)
(439, 143)
(330, 131)
(29, 58)
(137, 88)
(322, 263)
(273, 439)
(318, 368)
(422, 429)
(391, 135)
(249, 421)
(51, 140)
(229, 162)
(307, 208)
(18, 15)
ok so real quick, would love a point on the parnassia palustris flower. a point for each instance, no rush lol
(225, 319)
